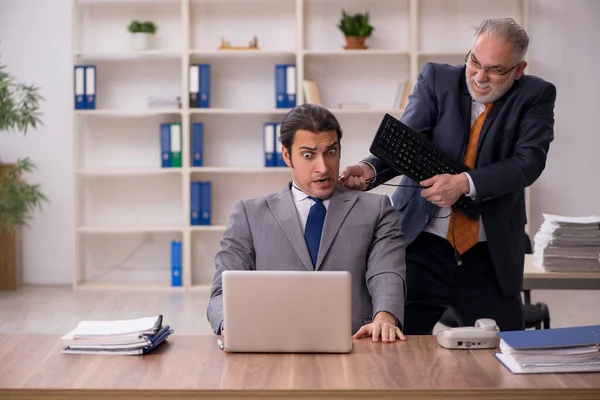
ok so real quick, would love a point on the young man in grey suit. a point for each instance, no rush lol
(360, 233)
(499, 122)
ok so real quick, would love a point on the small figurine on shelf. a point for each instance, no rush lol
(226, 45)
(356, 29)
(142, 33)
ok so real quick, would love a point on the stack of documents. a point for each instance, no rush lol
(121, 337)
(575, 349)
(568, 244)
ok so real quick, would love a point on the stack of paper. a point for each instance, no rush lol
(575, 349)
(568, 243)
(120, 337)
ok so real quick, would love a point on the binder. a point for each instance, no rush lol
(175, 263)
(280, 86)
(79, 87)
(269, 144)
(176, 144)
(90, 87)
(195, 202)
(194, 85)
(573, 349)
(205, 203)
(290, 86)
(165, 145)
(197, 143)
(278, 154)
(204, 101)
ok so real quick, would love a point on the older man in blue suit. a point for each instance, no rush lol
(498, 121)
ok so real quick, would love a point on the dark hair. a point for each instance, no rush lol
(307, 117)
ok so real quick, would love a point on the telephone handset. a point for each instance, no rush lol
(484, 335)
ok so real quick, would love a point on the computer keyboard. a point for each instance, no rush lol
(414, 156)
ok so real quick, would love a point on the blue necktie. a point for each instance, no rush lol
(314, 228)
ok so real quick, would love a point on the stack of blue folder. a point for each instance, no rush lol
(574, 349)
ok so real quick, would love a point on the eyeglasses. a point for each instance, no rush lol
(499, 71)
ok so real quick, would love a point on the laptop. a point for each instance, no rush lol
(287, 311)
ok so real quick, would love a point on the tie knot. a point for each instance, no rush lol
(315, 199)
(488, 106)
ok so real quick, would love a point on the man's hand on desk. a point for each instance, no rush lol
(443, 190)
(384, 326)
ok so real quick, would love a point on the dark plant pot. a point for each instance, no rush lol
(355, 43)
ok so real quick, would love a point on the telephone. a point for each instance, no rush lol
(484, 335)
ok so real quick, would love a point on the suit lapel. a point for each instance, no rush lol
(340, 205)
(465, 106)
(284, 210)
(490, 119)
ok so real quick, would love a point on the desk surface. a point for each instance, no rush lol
(538, 278)
(188, 366)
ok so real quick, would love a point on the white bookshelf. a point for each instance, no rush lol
(128, 208)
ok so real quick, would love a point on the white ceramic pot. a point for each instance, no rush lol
(141, 40)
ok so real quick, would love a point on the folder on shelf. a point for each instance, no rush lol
(195, 205)
(194, 85)
(205, 203)
(165, 145)
(290, 86)
(79, 87)
(573, 349)
(311, 92)
(175, 263)
(269, 144)
(175, 144)
(90, 87)
(197, 143)
(204, 100)
(278, 155)
(280, 86)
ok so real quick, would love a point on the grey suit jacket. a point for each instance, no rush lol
(511, 155)
(361, 235)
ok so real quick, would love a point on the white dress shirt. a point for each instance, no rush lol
(439, 226)
(303, 204)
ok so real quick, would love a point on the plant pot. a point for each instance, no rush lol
(355, 43)
(141, 40)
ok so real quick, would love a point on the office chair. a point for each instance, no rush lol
(536, 315)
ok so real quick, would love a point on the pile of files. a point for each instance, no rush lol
(120, 337)
(574, 349)
(568, 244)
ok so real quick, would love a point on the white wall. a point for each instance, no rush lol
(35, 44)
(565, 50)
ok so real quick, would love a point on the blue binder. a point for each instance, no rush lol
(290, 85)
(280, 86)
(90, 87)
(197, 141)
(269, 144)
(552, 338)
(175, 263)
(165, 145)
(278, 154)
(205, 203)
(79, 86)
(195, 202)
(204, 100)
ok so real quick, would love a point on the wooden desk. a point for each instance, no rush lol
(537, 278)
(193, 366)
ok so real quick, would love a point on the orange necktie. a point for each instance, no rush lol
(466, 230)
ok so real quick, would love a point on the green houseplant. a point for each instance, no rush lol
(356, 29)
(142, 32)
(19, 105)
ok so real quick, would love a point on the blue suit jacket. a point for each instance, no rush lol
(511, 155)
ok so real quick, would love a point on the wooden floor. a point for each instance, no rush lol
(58, 309)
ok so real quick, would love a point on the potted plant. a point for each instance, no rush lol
(356, 29)
(141, 32)
(19, 104)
